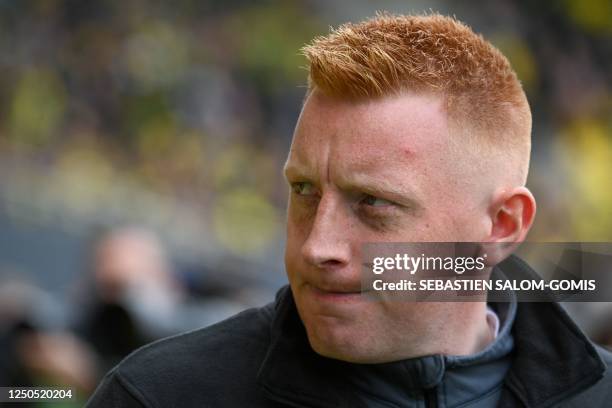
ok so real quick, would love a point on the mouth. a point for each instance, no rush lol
(333, 294)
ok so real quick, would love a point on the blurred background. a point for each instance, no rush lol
(141, 146)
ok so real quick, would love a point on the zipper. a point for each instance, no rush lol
(431, 398)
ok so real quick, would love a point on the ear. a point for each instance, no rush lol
(512, 213)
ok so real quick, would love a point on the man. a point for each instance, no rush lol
(414, 129)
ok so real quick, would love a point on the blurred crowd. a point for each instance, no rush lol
(176, 117)
(128, 296)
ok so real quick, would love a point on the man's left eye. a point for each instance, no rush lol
(303, 188)
(375, 201)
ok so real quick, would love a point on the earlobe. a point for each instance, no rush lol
(512, 215)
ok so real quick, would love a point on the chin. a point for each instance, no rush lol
(341, 343)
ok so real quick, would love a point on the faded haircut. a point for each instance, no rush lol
(391, 54)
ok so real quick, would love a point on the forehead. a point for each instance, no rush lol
(382, 134)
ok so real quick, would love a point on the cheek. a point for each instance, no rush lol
(455, 224)
(297, 233)
(298, 227)
(301, 212)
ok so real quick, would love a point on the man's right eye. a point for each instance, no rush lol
(303, 188)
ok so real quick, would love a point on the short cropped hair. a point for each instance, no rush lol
(390, 54)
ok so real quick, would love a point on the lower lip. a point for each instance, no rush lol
(338, 297)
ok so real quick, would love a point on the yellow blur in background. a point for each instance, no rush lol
(176, 117)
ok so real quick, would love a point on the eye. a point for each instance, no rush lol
(373, 201)
(303, 188)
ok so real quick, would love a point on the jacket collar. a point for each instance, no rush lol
(553, 358)
(294, 374)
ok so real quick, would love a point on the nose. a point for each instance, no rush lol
(328, 245)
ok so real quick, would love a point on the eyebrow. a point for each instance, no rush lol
(402, 194)
(297, 169)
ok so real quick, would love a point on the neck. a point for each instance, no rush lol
(485, 332)
(457, 329)
(467, 332)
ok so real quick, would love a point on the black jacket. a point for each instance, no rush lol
(261, 358)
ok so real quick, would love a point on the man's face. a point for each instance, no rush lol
(372, 171)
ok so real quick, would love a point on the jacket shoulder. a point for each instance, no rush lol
(606, 355)
(600, 394)
(219, 360)
(211, 347)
